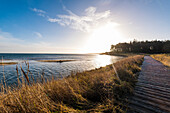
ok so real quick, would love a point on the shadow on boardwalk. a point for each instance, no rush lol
(152, 91)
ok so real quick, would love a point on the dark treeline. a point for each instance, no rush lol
(142, 47)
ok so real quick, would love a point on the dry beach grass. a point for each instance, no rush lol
(164, 58)
(98, 90)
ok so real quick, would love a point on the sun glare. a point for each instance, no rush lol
(102, 38)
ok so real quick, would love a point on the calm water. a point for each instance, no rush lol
(82, 62)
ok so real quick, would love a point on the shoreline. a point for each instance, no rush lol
(119, 54)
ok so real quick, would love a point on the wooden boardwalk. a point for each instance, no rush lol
(152, 91)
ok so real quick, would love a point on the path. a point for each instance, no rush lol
(152, 91)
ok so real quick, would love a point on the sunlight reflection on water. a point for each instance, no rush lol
(103, 60)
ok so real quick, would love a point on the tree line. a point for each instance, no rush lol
(135, 46)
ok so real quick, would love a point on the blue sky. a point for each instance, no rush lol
(79, 26)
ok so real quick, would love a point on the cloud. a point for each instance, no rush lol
(53, 20)
(86, 23)
(90, 20)
(105, 2)
(37, 10)
(7, 37)
(39, 35)
(10, 44)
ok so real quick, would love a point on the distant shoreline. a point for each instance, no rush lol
(57, 61)
(123, 54)
(117, 54)
(7, 63)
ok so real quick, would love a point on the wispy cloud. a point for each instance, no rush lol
(53, 19)
(10, 44)
(7, 37)
(39, 35)
(86, 23)
(105, 2)
(39, 11)
(89, 20)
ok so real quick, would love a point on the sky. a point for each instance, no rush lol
(79, 26)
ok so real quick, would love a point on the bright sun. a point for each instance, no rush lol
(102, 38)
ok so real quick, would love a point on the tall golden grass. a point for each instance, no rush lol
(164, 58)
(98, 90)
